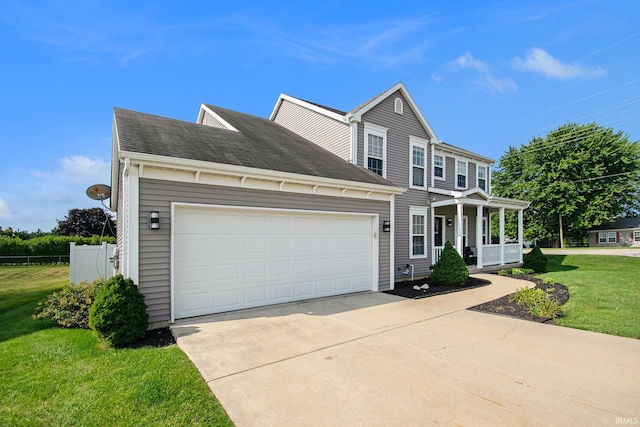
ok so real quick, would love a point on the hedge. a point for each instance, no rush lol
(46, 245)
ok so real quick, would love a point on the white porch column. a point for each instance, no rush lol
(520, 231)
(479, 242)
(460, 227)
(501, 236)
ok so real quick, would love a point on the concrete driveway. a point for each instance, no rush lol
(375, 359)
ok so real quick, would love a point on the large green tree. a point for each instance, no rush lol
(86, 223)
(576, 177)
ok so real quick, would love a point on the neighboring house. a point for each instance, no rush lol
(236, 211)
(622, 232)
(448, 193)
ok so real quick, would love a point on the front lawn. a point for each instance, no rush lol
(54, 376)
(604, 292)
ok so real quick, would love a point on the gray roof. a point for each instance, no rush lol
(259, 143)
(620, 224)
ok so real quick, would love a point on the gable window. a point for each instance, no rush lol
(397, 106)
(375, 149)
(418, 169)
(636, 236)
(461, 174)
(438, 166)
(418, 240)
(482, 177)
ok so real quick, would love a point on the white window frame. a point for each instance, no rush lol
(485, 168)
(444, 167)
(371, 129)
(602, 237)
(443, 230)
(417, 211)
(465, 174)
(418, 143)
(636, 235)
(613, 239)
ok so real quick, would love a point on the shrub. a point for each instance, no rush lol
(119, 314)
(515, 271)
(549, 281)
(451, 269)
(548, 308)
(528, 296)
(535, 260)
(69, 307)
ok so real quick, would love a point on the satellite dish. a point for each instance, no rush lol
(99, 192)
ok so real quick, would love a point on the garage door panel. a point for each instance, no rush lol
(228, 259)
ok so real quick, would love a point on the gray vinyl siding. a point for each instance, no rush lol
(450, 212)
(326, 132)
(400, 128)
(155, 245)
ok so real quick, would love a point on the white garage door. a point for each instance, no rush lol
(233, 258)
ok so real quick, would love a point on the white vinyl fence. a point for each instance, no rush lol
(90, 262)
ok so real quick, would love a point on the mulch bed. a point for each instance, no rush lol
(155, 338)
(508, 308)
(405, 289)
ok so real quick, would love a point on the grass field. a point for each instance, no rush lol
(54, 377)
(604, 292)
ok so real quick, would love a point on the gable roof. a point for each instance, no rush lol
(258, 143)
(620, 224)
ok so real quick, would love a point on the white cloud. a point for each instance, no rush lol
(539, 60)
(5, 210)
(485, 80)
(79, 169)
(468, 61)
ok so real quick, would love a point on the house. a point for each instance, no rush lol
(236, 211)
(621, 232)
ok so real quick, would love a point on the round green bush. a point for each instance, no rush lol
(119, 314)
(451, 269)
(69, 307)
(535, 260)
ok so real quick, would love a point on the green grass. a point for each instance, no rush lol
(54, 377)
(604, 292)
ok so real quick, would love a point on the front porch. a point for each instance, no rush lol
(466, 219)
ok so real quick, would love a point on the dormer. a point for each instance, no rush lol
(208, 117)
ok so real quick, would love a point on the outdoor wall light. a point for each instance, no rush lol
(154, 220)
(449, 222)
(386, 226)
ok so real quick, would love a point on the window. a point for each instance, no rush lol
(418, 169)
(607, 237)
(418, 240)
(482, 177)
(438, 166)
(375, 149)
(636, 236)
(461, 174)
(398, 106)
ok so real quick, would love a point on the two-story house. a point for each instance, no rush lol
(235, 211)
(448, 194)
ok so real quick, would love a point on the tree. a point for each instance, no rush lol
(576, 177)
(86, 223)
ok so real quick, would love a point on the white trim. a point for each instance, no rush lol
(354, 143)
(375, 246)
(636, 235)
(204, 108)
(133, 224)
(381, 132)
(392, 242)
(443, 230)
(357, 113)
(444, 167)
(457, 172)
(420, 143)
(418, 211)
(398, 106)
(465, 227)
(464, 154)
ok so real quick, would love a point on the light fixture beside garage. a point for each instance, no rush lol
(154, 220)
(386, 226)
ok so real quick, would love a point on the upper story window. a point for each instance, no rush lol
(438, 166)
(482, 177)
(375, 149)
(461, 174)
(418, 171)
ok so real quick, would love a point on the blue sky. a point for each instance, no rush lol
(486, 75)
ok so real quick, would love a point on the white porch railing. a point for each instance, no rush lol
(437, 253)
(512, 252)
(490, 254)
